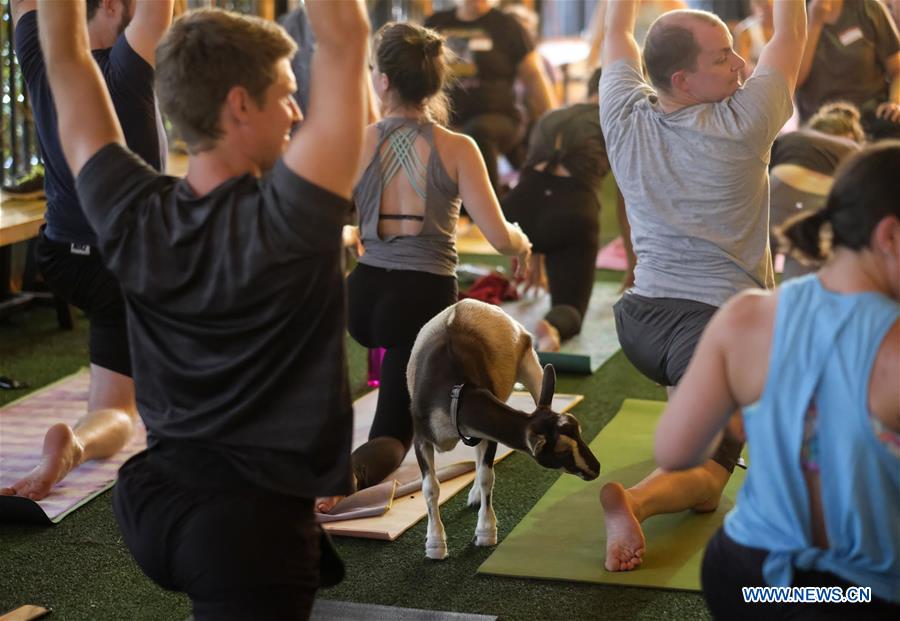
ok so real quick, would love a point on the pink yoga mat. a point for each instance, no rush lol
(612, 256)
(23, 424)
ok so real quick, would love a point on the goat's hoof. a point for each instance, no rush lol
(486, 537)
(436, 550)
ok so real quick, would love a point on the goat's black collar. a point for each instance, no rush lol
(455, 394)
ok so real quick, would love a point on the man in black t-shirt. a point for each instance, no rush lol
(492, 51)
(124, 34)
(233, 283)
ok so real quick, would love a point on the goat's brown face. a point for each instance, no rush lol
(555, 440)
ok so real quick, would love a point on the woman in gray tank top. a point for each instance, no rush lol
(414, 175)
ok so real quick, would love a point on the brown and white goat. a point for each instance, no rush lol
(462, 369)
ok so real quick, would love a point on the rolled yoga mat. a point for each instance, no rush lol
(563, 538)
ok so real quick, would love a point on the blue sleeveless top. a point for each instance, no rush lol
(823, 350)
(433, 250)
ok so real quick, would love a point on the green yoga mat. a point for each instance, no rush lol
(562, 537)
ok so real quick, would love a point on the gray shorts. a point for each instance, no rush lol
(658, 336)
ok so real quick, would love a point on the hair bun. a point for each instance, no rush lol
(432, 46)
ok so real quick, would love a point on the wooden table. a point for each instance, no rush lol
(19, 219)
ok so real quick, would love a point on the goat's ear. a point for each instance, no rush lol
(535, 441)
(548, 386)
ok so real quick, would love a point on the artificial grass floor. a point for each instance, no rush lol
(82, 570)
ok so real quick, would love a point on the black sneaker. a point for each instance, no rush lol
(30, 186)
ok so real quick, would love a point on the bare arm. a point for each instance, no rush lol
(481, 202)
(596, 28)
(151, 20)
(87, 121)
(618, 40)
(786, 50)
(540, 95)
(20, 7)
(326, 148)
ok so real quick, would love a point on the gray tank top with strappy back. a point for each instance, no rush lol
(433, 250)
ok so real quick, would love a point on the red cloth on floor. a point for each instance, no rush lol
(493, 289)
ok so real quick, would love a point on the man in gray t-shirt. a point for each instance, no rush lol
(690, 155)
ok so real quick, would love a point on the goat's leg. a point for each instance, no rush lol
(486, 529)
(436, 539)
(531, 374)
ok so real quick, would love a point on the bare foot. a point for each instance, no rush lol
(624, 537)
(62, 452)
(327, 503)
(547, 335)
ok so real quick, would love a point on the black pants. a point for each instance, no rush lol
(495, 135)
(728, 566)
(561, 217)
(83, 281)
(387, 308)
(238, 552)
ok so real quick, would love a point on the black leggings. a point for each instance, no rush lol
(561, 217)
(387, 308)
(728, 566)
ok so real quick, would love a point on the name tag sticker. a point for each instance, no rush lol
(481, 44)
(851, 35)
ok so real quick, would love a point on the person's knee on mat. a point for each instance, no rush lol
(566, 319)
(376, 459)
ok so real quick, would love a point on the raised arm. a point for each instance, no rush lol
(785, 51)
(20, 7)
(151, 20)
(86, 118)
(596, 30)
(326, 148)
(618, 38)
(541, 98)
(481, 202)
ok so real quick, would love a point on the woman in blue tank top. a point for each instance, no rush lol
(814, 368)
(414, 174)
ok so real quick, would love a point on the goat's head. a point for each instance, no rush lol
(555, 439)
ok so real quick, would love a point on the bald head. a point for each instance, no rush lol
(672, 44)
